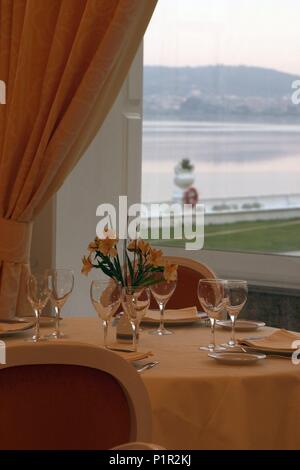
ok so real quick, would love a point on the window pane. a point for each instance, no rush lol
(218, 92)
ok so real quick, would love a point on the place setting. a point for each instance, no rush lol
(216, 297)
(15, 326)
(51, 285)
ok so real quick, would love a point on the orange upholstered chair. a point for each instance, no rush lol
(70, 396)
(189, 272)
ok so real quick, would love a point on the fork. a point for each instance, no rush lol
(251, 350)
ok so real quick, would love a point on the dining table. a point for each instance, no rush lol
(198, 403)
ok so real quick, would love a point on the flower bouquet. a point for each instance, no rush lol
(143, 265)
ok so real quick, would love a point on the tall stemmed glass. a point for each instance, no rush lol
(61, 284)
(236, 293)
(211, 294)
(38, 294)
(135, 302)
(162, 292)
(106, 299)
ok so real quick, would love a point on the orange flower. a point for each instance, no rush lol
(132, 245)
(108, 247)
(155, 257)
(86, 265)
(107, 233)
(143, 246)
(170, 272)
(94, 246)
(110, 234)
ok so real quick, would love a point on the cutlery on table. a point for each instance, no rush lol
(147, 366)
(255, 351)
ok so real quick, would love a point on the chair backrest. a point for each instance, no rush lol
(70, 396)
(189, 273)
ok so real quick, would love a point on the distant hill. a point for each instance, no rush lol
(207, 91)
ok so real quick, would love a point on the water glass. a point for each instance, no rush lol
(38, 294)
(61, 284)
(106, 299)
(211, 294)
(236, 292)
(162, 292)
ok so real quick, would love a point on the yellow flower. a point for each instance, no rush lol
(170, 271)
(143, 246)
(108, 247)
(155, 257)
(109, 233)
(94, 246)
(132, 245)
(86, 265)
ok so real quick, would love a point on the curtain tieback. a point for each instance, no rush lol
(15, 241)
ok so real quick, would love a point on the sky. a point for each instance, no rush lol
(264, 33)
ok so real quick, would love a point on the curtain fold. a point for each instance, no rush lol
(63, 62)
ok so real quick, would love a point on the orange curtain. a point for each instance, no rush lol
(63, 62)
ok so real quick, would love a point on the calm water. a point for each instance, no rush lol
(230, 159)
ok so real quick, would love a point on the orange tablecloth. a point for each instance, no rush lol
(199, 404)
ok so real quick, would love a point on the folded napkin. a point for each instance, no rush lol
(18, 326)
(280, 341)
(176, 316)
(125, 352)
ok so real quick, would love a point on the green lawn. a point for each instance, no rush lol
(276, 236)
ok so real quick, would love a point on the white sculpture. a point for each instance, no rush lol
(184, 178)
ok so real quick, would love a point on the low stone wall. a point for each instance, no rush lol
(279, 308)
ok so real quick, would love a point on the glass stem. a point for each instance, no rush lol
(37, 323)
(212, 332)
(105, 330)
(134, 336)
(232, 341)
(57, 320)
(138, 331)
(161, 320)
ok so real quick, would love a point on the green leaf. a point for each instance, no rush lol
(131, 270)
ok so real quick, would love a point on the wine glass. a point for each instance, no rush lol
(38, 294)
(61, 284)
(135, 302)
(236, 293)
(106, 299)
(211, 294)
(162, 292)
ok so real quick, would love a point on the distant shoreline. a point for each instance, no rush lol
(227, 119)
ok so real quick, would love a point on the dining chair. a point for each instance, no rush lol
(189, 273)
(70, 396)
(138, 446)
